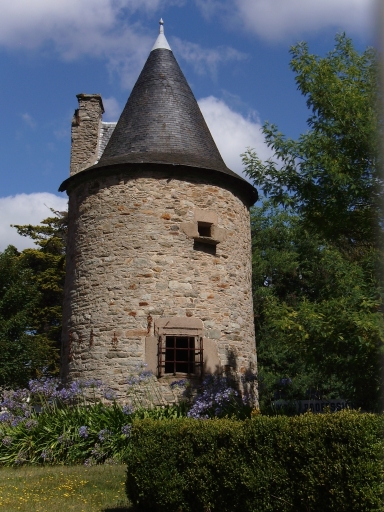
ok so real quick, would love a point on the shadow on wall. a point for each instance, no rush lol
(243, 381)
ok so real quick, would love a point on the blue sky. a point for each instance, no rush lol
(234, 53)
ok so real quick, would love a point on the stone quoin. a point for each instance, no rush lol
(159, 242)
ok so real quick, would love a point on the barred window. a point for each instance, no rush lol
(180, 355)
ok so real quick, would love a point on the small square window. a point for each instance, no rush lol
(204, 229)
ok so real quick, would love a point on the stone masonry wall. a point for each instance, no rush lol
(130, 262)
(85, 131)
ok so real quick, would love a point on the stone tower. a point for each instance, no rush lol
(159, 249)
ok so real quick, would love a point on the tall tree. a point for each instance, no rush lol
(31, 299)
(20, 355)
(332, 174)
(318, 240)
(47, 264)
(318, 319)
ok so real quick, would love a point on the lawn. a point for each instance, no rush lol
(63, 488)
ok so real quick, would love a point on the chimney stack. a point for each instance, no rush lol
(85, 132)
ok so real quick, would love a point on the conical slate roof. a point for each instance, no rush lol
(162, 122)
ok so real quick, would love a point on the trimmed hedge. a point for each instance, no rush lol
(305, 463)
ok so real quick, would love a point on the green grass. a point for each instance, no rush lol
(63, 488)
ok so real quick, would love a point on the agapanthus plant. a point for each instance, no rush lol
(216, 397)
(17, 406)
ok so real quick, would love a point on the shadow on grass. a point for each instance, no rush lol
(121, 508)
(118, 509)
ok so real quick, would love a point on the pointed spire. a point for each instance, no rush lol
(162, 124)
(161, 41)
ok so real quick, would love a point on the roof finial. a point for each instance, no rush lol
(161, 41)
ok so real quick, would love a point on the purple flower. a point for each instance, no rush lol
(140, 366)
(91, 461)
(96, 452)
(46, 455)
(65, 440)
(214, 398)
(16, 421)
(83, 432)
(109, 394)
(44, 387)
(126, 430)
(145, 375)
(104, 434)
(140, 375)
(133, 380)
(74, 390)
(183, 383)
(21, 458)
(92, 383)
(14, 404)
(31, 424)
(52, 389)
(128, 409)
(7, 441)
(5, 417)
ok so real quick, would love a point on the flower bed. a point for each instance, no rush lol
(82, 423)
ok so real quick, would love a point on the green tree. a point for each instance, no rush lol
(47, 264)
(20, 355)
(332, 174)
(318, 239)
(318, 321)
(31, 297)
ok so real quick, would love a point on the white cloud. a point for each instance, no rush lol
(112, 109)
(232, 132)
(99, 28)
(209, 8)
(28, 120)
(276, 20)
(59, 21)
(25, 209)
(105, 29)
(205, 59)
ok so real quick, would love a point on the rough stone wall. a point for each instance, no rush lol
(86, 124)
(130, 263)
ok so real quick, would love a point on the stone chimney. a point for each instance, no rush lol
(85, 132)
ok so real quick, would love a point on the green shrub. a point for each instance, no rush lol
(305, 463)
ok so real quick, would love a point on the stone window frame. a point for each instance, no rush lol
(204, 219)
(185, 327)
